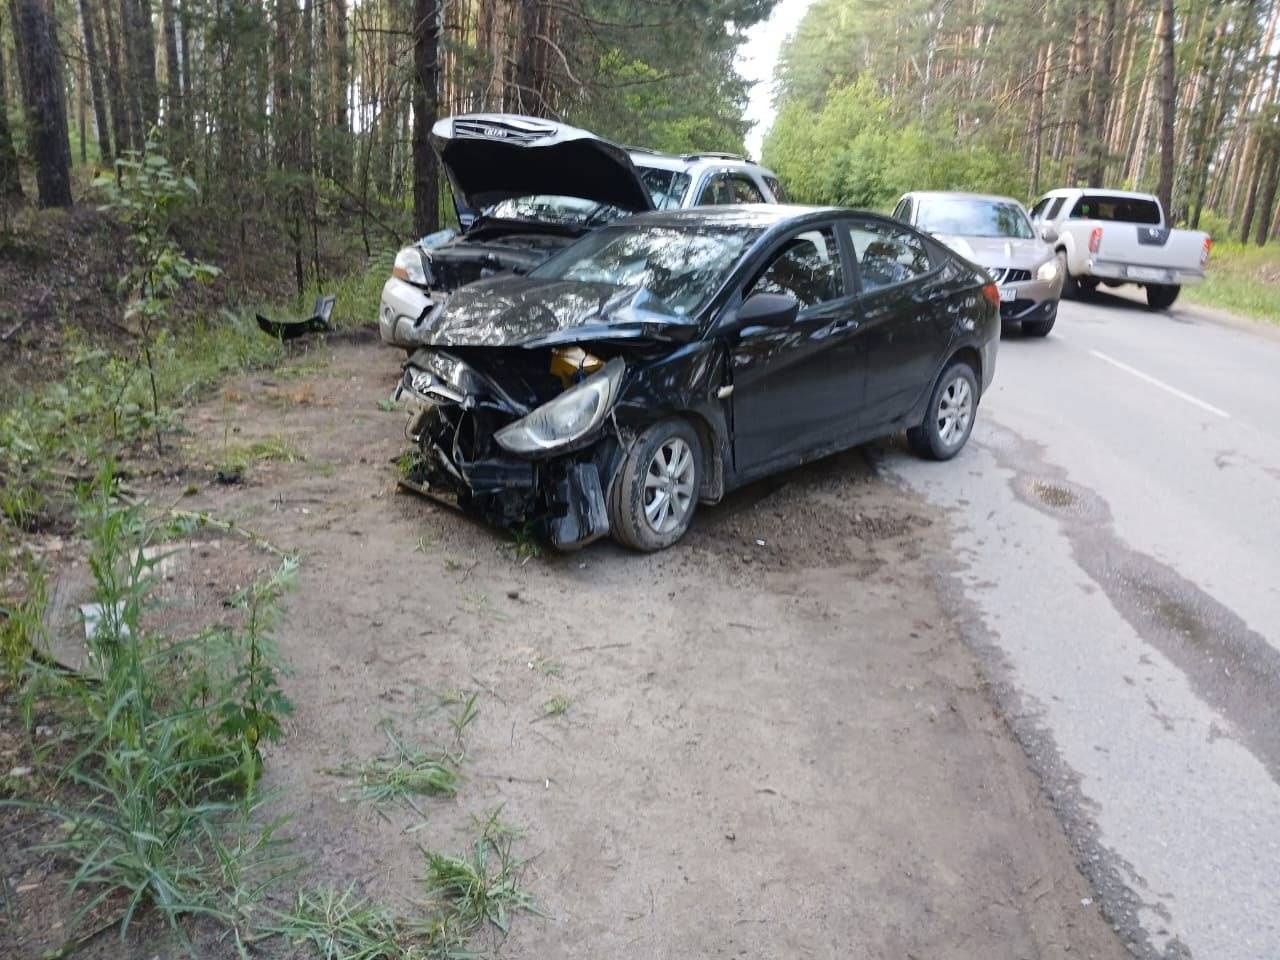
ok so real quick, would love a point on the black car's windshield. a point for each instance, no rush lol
(681, 265)
(561, 211)
(666, 187)
(964, 217)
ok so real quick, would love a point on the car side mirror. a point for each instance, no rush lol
(1049, 233)
(766, 310)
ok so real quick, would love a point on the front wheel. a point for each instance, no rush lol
(1160, 296)
(948, 420)
(1038, 328)
(656, 492)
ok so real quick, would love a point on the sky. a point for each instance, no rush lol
(756, 60)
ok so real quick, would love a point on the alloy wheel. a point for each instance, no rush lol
(668, 486)
(955, 411)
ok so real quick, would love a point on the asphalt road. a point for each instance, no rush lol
(1117, 562)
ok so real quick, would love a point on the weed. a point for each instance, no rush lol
(1242, 278)
(387, 406)
(495, 830)
(411, 465)
(236, 458)
(525, 543)
(423, 545)
(167, 734)
(22, 624)
(557, 706)
(465, 715)
(342, 925)
(403, 773)
(474, 891)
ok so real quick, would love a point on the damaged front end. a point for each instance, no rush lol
(521, 438)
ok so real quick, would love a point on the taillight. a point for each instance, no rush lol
(992, 294)
(1205, 250)
(1095, 239)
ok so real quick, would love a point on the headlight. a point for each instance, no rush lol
(413, 266)
(568, 417)
(1048, 270)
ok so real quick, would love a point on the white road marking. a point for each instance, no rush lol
(1162, 385)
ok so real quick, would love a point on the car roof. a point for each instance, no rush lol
(643, 157)
(1099, 192)
(960, 195)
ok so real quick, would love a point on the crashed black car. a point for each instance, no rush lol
(661, 361)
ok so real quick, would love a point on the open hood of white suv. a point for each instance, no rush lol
(490, 157)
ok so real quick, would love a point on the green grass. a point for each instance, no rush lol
(475, 890)
(1242, 279)
(342, 925)
(404, 773)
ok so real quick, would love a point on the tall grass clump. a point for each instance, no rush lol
(159, 810)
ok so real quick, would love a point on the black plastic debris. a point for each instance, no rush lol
(318, 322)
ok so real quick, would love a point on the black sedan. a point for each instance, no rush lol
(660, 362)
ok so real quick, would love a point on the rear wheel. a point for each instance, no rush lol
(948, 420)
(1160, 296)
(656, 492)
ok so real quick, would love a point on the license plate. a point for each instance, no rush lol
(1008, 294)
(1148, 273)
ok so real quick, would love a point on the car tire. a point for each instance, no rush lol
(948, 419)
(1038, 328)
(665, 460)
(1070, 288)
(1160, 296)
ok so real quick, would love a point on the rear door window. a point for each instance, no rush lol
(887, 254)
(1116, 209)
(744, 191)
(807, 267)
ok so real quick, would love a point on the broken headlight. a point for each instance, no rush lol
(413, 266)
(567, 418)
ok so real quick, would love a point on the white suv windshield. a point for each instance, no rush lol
(666, 187)
(544, 208)
(962, 217)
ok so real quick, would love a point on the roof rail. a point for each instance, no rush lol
(656, 153)
(714, 155)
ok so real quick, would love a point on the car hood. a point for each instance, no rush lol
(999, 251)
(490, 157)
(536, 312)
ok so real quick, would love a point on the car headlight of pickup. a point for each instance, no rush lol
(413, 266)
(1048, 270)
(568, 418)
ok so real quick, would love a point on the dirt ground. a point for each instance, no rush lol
(775, 742)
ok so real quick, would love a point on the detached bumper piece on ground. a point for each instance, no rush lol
(318, 322)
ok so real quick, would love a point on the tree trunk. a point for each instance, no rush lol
(426, 79)
(1095, 167)
(46, 106)
(94, 68)
(1165, 188)
(173, 105)
(1270, 184)
(10, 181)
(117, 100)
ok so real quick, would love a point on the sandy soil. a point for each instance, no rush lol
(776, 745)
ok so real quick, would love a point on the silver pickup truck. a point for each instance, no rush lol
(1114, 237)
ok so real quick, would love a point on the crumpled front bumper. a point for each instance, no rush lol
(562, 498)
